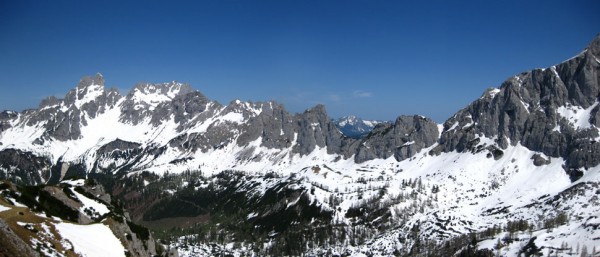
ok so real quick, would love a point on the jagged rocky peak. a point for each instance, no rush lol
(315, 129)
(317, 115)
(49, 102)
(247, 109)
(89, 95)
(268, 121)
(5, 118)
(87, 90)
(63, 118)
(594, 46)
(402, 139)
(553, 111)
(160, 100)
(5, 115)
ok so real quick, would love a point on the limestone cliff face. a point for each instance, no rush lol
(554, 111)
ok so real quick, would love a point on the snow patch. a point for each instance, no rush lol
(78, 182)
(91, 240)
(233, 117)
(576, 115)
(91, 93)
(90, 204)
(4, 208)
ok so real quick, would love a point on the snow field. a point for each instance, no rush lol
(95, 240)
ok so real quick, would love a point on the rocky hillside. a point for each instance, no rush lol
(515, 172)
(74, 218)
(553, 111)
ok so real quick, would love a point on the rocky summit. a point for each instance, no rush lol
(517, 171)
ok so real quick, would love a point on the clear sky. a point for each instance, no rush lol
(373, 59)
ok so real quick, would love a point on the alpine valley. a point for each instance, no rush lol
(516, 172)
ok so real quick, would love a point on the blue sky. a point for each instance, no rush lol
(374, 59)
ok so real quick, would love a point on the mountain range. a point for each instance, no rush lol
(514, 172)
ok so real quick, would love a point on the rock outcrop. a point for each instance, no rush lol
(553, 111)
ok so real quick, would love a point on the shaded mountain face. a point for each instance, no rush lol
(524, 152)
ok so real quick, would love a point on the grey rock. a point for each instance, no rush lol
(23, 167)
(6, 117)
(538, 160)
(63, 118)
(315, 129)
(58, 194)
(11, 244)
(524, 111)
(403, 139)
(50, 101)
(118, 144)
(274, 125)
(135, 111)
(116, 155)
(133, 242)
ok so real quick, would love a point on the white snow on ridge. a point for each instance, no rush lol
(152, 100)
(233, 117)
(371, 123)
(92, 92)
(21, 136)
(256, 111)
(153, 95)
(494, 92)
(351, 120)
(78, 182)
(491, 92)
(95, 240)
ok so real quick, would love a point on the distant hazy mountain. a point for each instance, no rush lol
(355, 127)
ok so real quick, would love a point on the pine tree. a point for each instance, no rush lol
(584, 251)
(571, 250)
(498, 246)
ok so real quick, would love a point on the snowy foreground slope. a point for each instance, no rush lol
(74, 218)
(449, 195)
(514, 172)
